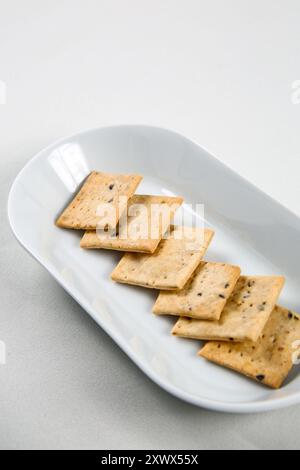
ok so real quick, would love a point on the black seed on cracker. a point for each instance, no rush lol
(290, 315)
(222, 296)
(260, 377)
(111, 186)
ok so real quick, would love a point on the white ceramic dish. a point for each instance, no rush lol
(252, 230)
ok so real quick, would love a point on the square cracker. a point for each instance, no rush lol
(171, 265)
(153, 214)
(98, 188)
(205, 294)
(270, 359)
(244, 315)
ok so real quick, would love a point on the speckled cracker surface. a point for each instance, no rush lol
(171, 265)
(98, 189)
(148, 218)
(244, 315)
(205, 294)
(270, 359)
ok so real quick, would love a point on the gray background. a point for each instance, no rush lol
(221, 73)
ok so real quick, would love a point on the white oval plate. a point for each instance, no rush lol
(252, 230)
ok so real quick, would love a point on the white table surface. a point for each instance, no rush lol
(221, 72)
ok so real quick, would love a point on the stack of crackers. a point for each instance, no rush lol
(237, 315)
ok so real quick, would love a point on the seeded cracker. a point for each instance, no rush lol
(244, 316)
(171, 265)
(270, 359)
(205, 294)
(99, 188)
(152, 212)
